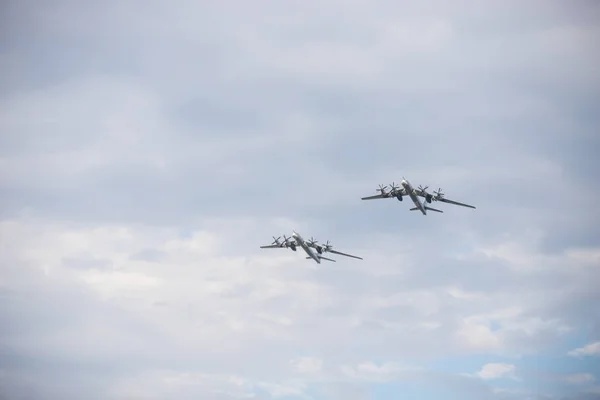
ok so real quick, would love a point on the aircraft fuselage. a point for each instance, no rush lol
(411, 193)
(305, 247)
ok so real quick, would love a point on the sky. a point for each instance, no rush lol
(148, 148)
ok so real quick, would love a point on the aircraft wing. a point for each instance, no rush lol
(282, 245)
(344, 254)
(271, 246)
(377, 196)
(455, 203)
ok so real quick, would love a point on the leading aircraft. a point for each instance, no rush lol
(309, 246)
(406, 189)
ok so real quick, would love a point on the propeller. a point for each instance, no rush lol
(438, 194)
(394, 187)
(381, 189)
(312, 241)
(323, 247)
(288, 244)
(276, 241)
(423, 189)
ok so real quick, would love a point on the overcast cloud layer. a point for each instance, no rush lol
(147, 150)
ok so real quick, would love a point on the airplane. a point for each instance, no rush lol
(414, 194)
(307, 245)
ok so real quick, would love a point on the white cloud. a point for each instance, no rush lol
(494, 331)
(496, 371)
(142, 169)
(307, 365)
(189, 297)
(478, 336)
(369, 371)
(592, 349)
(464, 295)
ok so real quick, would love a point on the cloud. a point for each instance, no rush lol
(496, 371)
(591, 349)
(307, 365)
(371, 372)
(147, 151)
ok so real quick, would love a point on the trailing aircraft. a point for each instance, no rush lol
(311, 247)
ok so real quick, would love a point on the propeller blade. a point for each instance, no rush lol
(381, 189)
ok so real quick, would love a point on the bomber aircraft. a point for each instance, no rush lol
(406, 189)
(309, 246)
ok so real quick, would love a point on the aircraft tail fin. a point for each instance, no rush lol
(433, 209)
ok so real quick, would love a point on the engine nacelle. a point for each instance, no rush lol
(399, 197)
(319, 250)
(293, 247)
(428, 197)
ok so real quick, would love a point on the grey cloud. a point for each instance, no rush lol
(195, 117)
(417, 123)
(149, 255)
(87, 263)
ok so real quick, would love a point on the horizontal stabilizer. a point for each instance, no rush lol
(322, 258)
(433, 209)
(414, 209)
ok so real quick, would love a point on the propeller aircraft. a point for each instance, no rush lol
(406, 189)
(311, 247)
